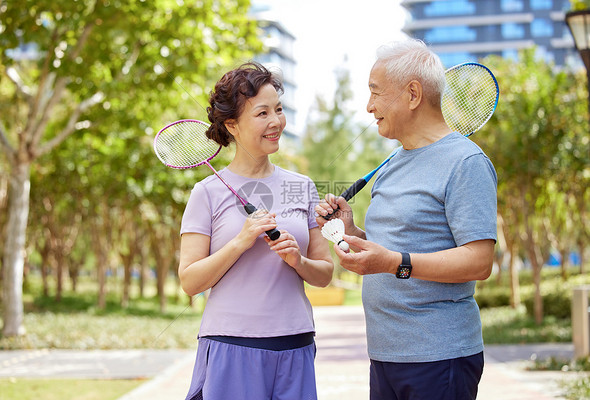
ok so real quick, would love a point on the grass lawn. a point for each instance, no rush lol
(65, 389)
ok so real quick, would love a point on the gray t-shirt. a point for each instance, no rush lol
(425, 200)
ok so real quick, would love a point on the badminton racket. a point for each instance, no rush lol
(468, 102)
(184, 144)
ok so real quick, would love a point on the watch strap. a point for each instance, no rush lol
(404, 270)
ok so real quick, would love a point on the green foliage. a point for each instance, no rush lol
(76, 323)
(505, 325)
(575, 389)
(578, 389)
(560, 364)
(578, 5)
(496, 296)
(557, 301)
(60, 389)
(101, 197)
(538, 142)
(556, 294)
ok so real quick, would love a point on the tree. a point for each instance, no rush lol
(75, 67)
(538, 143)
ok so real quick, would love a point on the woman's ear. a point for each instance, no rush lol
(231, 126)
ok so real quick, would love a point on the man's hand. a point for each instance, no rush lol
(368, 257)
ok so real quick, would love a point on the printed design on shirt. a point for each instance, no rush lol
(256, 193)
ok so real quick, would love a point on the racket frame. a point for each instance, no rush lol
(360, 183)
(273, 234)
(491, 74)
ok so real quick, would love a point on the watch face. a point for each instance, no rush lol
(403, 272)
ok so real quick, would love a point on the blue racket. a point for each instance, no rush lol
(468, 102)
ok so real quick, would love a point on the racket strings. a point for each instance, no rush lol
(470, 98)
(185, 144)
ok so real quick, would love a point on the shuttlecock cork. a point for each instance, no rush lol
(333, 230)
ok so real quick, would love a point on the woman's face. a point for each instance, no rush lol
(261, 123)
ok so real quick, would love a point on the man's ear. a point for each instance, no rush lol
(415, 90)
(231, 126)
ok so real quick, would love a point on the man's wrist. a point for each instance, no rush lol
(404, 269)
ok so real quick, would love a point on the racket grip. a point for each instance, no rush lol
(274, 233)
(349, 194)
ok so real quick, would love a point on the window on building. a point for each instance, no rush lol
(512, 5)
(544, 54)
(451, 59)
(513, 31)
(450, 7)
(541, 28)
(445, 34)
(541, 4)
(510, 54)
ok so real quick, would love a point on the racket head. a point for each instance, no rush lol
(184, 144)
(470, 98)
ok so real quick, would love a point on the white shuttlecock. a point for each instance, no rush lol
(333, 230)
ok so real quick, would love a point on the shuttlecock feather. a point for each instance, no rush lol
(333, 230)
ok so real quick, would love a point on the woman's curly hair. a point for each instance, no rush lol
(228, 98)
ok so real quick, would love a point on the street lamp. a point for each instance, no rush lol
(579, 24)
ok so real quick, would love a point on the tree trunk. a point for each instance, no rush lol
(58, 280)
(45, 251)
(14, 250)
(536, 266)
(499, 260)
(506, 238)
(581, 249)
(129, 231)
(127, 264)
(162, 261)
(101, 258)
(73, 271)
(514, 282)
(564, 262)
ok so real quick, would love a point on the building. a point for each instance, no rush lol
(467, 30)
(279, 55)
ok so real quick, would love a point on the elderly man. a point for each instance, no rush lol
(430, 234)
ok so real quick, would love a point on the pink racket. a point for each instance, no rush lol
(184, 144)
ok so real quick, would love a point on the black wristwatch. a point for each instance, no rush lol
(404, 270)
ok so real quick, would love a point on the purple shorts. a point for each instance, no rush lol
(227, 371)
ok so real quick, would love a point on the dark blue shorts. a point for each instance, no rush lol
(454, 379)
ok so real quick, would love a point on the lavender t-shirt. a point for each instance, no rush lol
(260, 295)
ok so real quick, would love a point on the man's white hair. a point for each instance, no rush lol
(411, 60)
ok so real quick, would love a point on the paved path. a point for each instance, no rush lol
(342, 365)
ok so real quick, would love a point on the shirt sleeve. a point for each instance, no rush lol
(314, 200)
(471, 200)
(197, 214)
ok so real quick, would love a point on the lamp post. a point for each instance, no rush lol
(579, 24)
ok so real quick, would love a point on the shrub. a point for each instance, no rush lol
(492, 296)
(557, 300)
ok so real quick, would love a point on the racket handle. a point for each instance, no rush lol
(273, 233)
(349, 194)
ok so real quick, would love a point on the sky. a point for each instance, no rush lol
(328, 32)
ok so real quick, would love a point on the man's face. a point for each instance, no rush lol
(382, 103)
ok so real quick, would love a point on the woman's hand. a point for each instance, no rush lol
(287, 248)
(255, 225)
